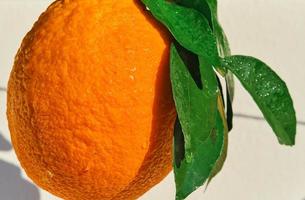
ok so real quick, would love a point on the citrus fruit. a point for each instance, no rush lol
(90, 107)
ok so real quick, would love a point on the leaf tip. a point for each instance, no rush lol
(290, 142)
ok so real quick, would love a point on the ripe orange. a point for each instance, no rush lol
(90, 108)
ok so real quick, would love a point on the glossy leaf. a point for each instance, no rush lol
(222, 158)
(189, 27)
(199, 5)
(222, 41)
(209, 9)
(195, 172)
(269, 92)
(223, 50)
(195, 96)
(196, 104)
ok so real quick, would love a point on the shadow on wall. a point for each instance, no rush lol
(4, 144)
(12, 185)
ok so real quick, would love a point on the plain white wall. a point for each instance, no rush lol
(257, 167)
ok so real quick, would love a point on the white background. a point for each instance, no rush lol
(257, 167)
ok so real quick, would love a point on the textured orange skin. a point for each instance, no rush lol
(90, 108)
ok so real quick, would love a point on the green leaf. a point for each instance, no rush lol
(196, 104)
(195, 94)
(199, 5)
(209, 9)
(224, 51)
(189, 27)
(221, 160)
(269, 92)
(195, 172)
(222, 41)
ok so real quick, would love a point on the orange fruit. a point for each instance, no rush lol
(90, 108)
